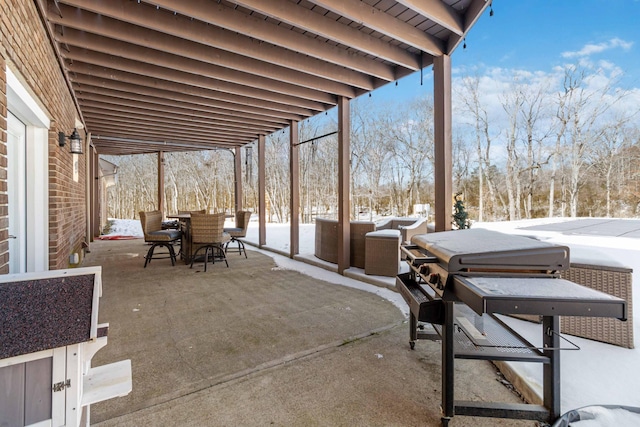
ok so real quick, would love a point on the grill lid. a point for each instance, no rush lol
(480, 249)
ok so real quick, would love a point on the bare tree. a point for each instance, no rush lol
(473, 104)
(512, 101)
(370, 153)
(277, 176)
(411, 131)
(606, 155)
(581, 112)
(534, 108)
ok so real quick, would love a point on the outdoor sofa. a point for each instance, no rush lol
(375, 247)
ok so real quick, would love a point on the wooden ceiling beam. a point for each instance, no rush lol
(225, 31)
(85, 83)
(115, 48)
(136, 79)
(95, 115)
(101, 119)
(127, 146)
(107, 96)
(130, 149)
(114, 30)
(305, 19)
(166, 138)
(159, 132)
(97, 109)
(384, 23)
(192, 79)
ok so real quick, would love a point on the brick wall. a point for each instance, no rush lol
(4, 243)
(26, 48)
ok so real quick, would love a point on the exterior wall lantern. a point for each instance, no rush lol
(75, 142)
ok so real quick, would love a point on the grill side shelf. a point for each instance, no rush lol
(475, 337)
(530, 295)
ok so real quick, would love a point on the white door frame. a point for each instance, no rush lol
(25, 107)
(16, 193)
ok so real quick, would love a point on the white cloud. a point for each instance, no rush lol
(591, 48)
(607, 65)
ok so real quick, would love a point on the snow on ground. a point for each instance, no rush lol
(598, 374)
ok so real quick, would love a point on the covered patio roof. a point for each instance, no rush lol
(165, 75)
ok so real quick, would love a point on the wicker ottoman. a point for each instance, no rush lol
(382, 253)
(359, 230)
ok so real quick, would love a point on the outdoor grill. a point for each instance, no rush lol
(458, 282)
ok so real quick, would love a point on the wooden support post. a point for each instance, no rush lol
(95, 205)
(237, 170)
(262, 183)
(344, 174)
(161, 182)
(442, 132)
(294, 174)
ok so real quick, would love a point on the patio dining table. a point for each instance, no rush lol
(185, 239)
(186, 246)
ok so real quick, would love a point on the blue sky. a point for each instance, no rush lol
(538, 35)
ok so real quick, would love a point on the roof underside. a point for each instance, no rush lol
(184, 75)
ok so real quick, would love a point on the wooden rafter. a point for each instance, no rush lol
(194, 73)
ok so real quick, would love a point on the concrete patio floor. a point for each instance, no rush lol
(256, 344)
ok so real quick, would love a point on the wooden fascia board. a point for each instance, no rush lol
(113, 30)
(471, 16)
(388, 25)
(473, 13)
(300, 17)
(438, 12)
(325, 60)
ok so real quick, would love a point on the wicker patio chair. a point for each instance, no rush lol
(408, 226)
(240, 230)
(207, 232)
(153, 233)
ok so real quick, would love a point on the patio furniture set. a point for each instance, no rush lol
(194, 231)
(375, 247)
